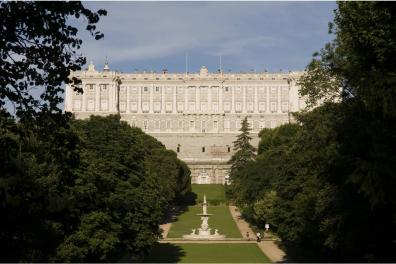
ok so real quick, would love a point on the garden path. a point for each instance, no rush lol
(269, 248)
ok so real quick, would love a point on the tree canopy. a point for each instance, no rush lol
(71, 190)
(326, 185)
(39, 50)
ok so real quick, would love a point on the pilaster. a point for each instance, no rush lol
(267, 89)
(279, 99)
(151, 89)
(128, 91)
(139, 108)
(255, 106)
(97, 97)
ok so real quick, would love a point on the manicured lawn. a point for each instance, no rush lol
(214, 192)
(207, 253)
(221, 220)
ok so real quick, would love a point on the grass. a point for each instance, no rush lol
(221, 220)
(207, 253)
(215, 193)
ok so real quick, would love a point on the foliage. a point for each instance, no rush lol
(70, 190)
(333, 175)
(38, 52)
(92, 191)
(243, 156)
(244, 150)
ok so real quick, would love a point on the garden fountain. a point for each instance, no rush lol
(204, 232)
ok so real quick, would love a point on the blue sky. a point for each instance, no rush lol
(248, 35)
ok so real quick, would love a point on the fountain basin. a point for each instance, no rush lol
(204, 237)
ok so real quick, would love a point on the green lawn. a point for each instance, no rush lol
(207, 253)
(221, 220)
(215, 193)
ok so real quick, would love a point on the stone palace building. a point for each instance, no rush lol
(198, 115)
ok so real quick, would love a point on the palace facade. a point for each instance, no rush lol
(198, 115)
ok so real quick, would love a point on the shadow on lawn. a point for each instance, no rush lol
(165, 253)
(180, 207)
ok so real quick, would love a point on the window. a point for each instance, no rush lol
(178, 149)
(191, 124)
(103, 87)
(215, 124)
(262, 106)
(145, 89)
(285, 106)
(226, 89)
(228, 149)
(180, 124)
(203, 149)
(145, 124)
(215, 107)
(90, 87)
(227, 106)
(168, 124)
(157, 124)
(273, 107)
(238, 124)
(238, 106)
(203, 125)
(157, 89)
(227, 124)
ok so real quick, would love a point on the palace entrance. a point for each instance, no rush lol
(203, 177)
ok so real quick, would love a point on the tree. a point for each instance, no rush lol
(123, 187)
(244, 150)
(346, 156)
(39, 50)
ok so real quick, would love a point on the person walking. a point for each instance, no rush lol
(258, 237)
(247, 236)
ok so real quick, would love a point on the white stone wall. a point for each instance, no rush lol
(197, 115)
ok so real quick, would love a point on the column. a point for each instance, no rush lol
(185, 99)
(209, 103)
(109, 96)
(232, 99)
(97, 97)
(174, 110)
(279, 99)
(255, 110)
(139, 109)
(268, 99)
(162, 99)
(151, 89)
(84, 96)
(220, 102)
(197, 99)
(113, 98)
(128, 109)
(244, 99)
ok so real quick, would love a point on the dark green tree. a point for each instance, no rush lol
(244, 151)
(123, 187)
(38, 50)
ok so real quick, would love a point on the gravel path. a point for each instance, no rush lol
(165, 229)
(270, 249)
